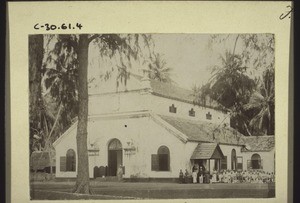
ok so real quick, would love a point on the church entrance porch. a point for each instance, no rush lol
(207, 156)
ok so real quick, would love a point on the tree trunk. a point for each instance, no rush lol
(82, 183)
(36, 51)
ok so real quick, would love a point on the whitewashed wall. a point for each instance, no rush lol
(161, 105)
(63, 145)
(117, 102)
(146, 135)
(268, 160)
(227, 149)
(141, 100)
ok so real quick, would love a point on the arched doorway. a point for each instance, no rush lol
(115, 156)
(256, 161)
(233, 159)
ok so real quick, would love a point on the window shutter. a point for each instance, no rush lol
(154, 162)
(62, 163)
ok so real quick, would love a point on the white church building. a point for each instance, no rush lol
(154, 130)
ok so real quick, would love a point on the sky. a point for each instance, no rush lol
(190, 56)
(187, 55)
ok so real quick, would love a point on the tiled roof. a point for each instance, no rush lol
(207, 151)
(171, 91)
(175, 92)
(203, 131)
(259, 143)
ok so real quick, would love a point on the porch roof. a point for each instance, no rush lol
(207, 151)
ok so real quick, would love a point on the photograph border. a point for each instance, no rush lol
(145, 17)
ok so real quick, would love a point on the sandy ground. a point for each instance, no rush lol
(146, 190)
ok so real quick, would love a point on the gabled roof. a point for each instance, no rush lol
(172, 91)
(259, 143)
(72, 127)
(203, 131)
(207, 151)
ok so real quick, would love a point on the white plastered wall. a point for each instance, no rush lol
(146, 135)
(267, 157)
(61, 148)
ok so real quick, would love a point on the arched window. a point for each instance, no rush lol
(163, 158)
(71, 160)
(115, 144)
(256, 161)
(233, 159)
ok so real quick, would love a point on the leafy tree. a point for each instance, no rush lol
(255, 50)
(234, 83)
(229, 84)
(59, 81)
(35, 64)
(65, 85)
(65, 79)
(113, 43)
(201, 94)
(262, 103)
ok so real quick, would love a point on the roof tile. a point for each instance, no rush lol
(205, 131)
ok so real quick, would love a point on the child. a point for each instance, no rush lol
(214, 176)
(221, 177)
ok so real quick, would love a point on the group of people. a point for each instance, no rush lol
(251, 176)
(200, 175)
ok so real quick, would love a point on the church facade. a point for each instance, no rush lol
(154, 130)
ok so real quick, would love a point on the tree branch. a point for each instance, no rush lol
(235, 44)
(91, 38)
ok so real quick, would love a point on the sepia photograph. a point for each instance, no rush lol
(151, 116)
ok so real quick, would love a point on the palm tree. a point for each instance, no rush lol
(201, 94)
(65, 78)
(158, 69)
(230, 87)
(229, 84)
(59, 83)
(262, 103)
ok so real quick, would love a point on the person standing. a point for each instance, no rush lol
(214, 176)
(181, 176)
(194, 175)
(200, 174)
(120, 173)
(186, 176)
